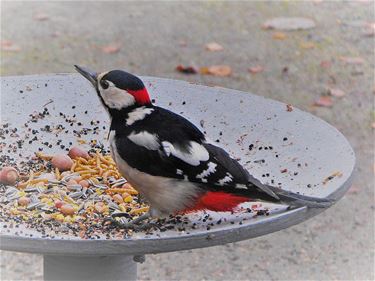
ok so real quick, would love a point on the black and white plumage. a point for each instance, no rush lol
(168, 159)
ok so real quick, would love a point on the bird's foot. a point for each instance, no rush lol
(133, 224)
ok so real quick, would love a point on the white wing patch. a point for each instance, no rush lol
(241, 186)
(138, 114)
(211, 168)
(226, 179)
(179, 172)
(145, 139)
(194, 156)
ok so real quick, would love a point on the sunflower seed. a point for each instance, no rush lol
(113, 206)
(11, 190)
(13, 196)
(74, 187)
(68, 177)
(35, 205)
(31, 188)
(118, 182)
(34, 198)
(100, 186)
(76, 195)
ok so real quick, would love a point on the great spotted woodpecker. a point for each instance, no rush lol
(168, 159)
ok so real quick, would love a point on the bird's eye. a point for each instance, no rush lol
(104, 84)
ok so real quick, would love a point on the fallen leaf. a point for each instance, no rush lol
(353, 190)
(307, 45)
(182, 43)
(55, 34)
(336, 92)
(324, 101)
(279, 36)
(7, 45)
(256, 69)
(111, 49)
(41, 17)
(186, 69)
(214, 47)
(217, 70)
(352, 60)
(289, 108)
(325, 64)
(370, 29)
(289, 24)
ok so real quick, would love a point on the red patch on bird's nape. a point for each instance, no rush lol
(218, 201)
(141, 96)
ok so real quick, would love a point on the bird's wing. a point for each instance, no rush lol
(166, 144)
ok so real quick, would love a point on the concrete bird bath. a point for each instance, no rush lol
(279, 145)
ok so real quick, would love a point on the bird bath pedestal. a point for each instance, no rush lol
(278, 144)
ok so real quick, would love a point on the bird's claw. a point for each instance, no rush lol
(133, 224)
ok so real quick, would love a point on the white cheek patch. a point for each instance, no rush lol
(116, 98)
(138, 114)
(211, 168)
(194, 156)
(145, 139)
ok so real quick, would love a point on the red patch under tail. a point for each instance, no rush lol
(218, 201)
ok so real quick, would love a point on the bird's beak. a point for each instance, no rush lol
(88, 74)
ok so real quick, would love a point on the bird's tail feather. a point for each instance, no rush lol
(293, 199)
(298, 200)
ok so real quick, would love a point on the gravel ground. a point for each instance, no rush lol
(157, 36)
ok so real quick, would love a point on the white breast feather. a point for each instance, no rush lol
(138, 114)
(193, 156)
(145, 139)
(165, 195)
(115, 97)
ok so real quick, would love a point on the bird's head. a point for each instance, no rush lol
(117, 89)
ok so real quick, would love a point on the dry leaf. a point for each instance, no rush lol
(279, 36)
(352, 60)
(353, 190)
(186, 69)
(182, 43)
(290, 23)
(256, 69)
(217, 70)
(307, 45)
(289, 108)
(55, 34)
(324, 101)
(214, 47)
(111, 49)
(336, 92)
(369, 29)
(325, 64)
(41, 17)
(7, 45)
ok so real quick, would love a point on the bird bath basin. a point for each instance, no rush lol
(278, 144)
